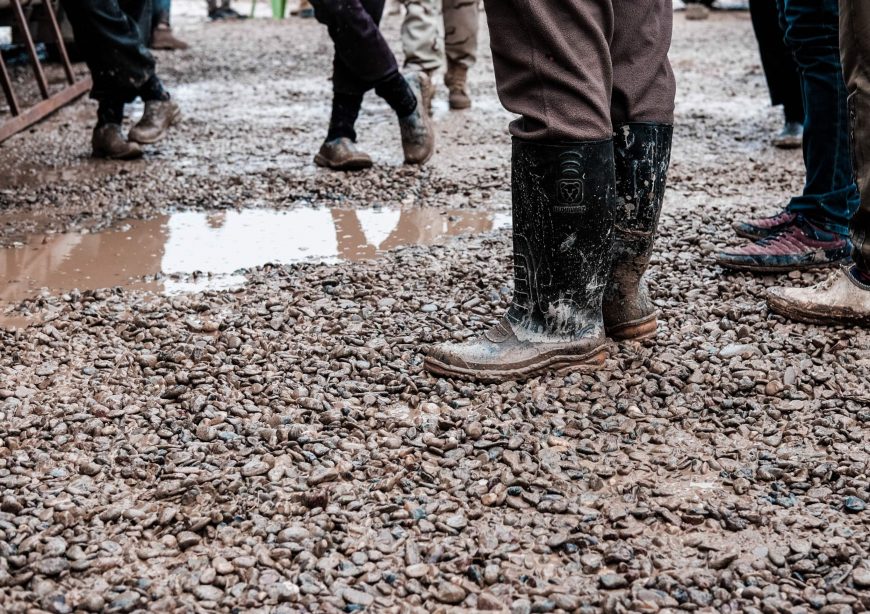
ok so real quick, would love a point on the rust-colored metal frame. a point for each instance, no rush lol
(24, 118)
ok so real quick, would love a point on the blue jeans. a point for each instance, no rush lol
(830, 196)
(161, 10)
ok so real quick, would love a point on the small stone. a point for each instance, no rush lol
(723, 560)
(205, 592)
(418, 570)
(254, 468)
(354, 596)
(489, 602)
(861, 577)
(457, 521)
(187, 539)
(447, 592)
(52, 566)
(854, 505)
(521, 606)
(222, 566)
(612, 581)
(429, 308)
(739, 349)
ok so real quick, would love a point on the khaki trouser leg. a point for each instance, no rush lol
(855, 53)
(421, 39)
(461, 22)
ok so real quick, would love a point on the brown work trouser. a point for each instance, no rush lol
(855, 52)
(572, 69)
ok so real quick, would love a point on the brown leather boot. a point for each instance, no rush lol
(840, 299)
(642, 153)
(108, 142)
(342, 155)
(456, 80)
(159, 115)
(163, 38)
(563, 200)
(418, 133)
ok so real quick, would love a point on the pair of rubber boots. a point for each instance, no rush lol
(584, 222)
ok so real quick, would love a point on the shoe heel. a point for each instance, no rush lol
(634, 331)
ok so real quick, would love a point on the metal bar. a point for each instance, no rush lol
(43, 109)
(31, 48)
(6, 82)
(58, 38)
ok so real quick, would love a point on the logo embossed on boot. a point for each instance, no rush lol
(569, 188)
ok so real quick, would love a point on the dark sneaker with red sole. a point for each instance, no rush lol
(764, 227)
(800, 246)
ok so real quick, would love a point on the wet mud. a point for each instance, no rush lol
(276, 446)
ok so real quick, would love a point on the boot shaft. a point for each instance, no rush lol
(642, 153)
(563, 211)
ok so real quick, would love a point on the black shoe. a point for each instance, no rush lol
(642, 152)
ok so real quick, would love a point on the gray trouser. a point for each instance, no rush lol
(572, 69)
(421, 39)
(855, 52)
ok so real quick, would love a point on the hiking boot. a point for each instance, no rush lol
(642, 152)
(163, 38)
(159, 115)
(563, 201)
(790, 137)
(108, 142)
(764, 227)
(840, 299)
(418, 134)
(800, 246)
(341, 154)
(456, 80)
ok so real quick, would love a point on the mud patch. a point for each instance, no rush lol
(193, 251)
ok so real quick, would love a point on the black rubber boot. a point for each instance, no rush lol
(563, 202)
(642, 153)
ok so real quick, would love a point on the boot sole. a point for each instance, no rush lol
(131, 155)
(784, 309)
(176, 117)
(637, 330)
(558, 365)
(757, 268)
(352, 165)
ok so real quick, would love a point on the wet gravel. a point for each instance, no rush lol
(278, 448)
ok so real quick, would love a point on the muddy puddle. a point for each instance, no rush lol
(194, 251)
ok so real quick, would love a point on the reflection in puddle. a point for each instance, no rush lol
(158, 255)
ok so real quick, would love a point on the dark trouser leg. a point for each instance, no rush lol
(160, 12)
(830, 196)
(113, 45)
(855, 50)
(780, 70)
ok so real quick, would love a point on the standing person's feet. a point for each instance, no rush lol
(456, 80)
(418, 133)
(108, 142)
(163, 38)
(225, 13)
(800, 246)
(159, 115)
(843, 298)
(761, 228)
(790, 137)
(341, 154)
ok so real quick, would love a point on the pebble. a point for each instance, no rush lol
(447, 592)
(612, 581)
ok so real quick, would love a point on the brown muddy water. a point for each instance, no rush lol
(192, 251)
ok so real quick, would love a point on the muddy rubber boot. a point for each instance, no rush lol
(159, 115)
(108, 142)
(163, 38)
(418, 133)
(456, 80)
(341, 154)
(642, 153)
(563, 202)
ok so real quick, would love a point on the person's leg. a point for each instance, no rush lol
(461, 23)
(553, 68)
(844, 298)
(780, 71)
(643, 114)
(421, 39)
(162, 36)
(363, 61)
(813, 230)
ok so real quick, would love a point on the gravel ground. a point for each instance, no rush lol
(279, 449)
